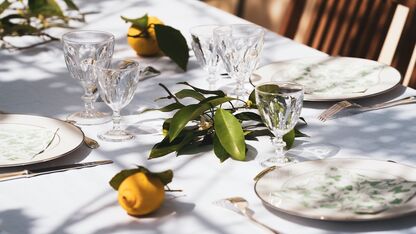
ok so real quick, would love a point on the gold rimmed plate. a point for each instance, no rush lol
(272, 188)
(67, 138)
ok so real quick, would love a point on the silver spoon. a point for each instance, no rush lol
(240, 205)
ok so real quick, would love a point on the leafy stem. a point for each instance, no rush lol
(211, 122)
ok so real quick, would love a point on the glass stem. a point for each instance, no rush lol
(239, 91)
(88, 99)
(116, 120)
(279, 145)
(212, 80)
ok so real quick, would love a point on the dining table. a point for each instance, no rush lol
(36, 81)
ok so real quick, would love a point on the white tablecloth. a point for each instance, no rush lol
(36, 81)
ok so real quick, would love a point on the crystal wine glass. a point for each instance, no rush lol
(82, 49)
(279, 104)
(204, 49)
(239, 46)
(117, 84)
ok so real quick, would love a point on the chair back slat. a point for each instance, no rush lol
(393, 35)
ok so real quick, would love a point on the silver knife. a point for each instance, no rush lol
(48, 170)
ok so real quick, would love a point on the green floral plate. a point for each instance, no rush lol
(340, 189)
(332, 78)
(28, 139)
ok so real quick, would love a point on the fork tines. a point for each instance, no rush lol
(331, 111)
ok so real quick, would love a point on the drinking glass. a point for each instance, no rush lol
(117, 84)
(82, 49)
(239, 46)
(279, 104)
(204, 49)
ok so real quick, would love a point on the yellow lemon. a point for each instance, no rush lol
(145, 46)
(140, 194)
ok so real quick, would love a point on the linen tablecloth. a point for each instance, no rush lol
(37, 82)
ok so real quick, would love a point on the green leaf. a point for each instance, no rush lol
(45, 8)
(230, 134)
(289, 138)
(256, 133)
(183, 116)
(139, 23)
(215, 101)
(172, 44)
(164, 176)
(219, 151)
(203, 91)
(299, 133)
(71, 5)
(246, 116)
(269, 88)
(166, 146)
(4, 5)
(18, 29)
(166, 124)
(171, 107)
(188, 113)
(184, 93)
(251, 102)
(252, 96)
(168, 108)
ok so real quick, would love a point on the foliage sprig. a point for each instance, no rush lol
(212, 118)
(33, 18)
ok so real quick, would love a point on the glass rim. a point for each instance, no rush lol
(110, 36)
(301, 88)
(192, 29)
(259, 28)
(136, 65)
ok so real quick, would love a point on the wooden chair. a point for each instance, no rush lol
(383, 30)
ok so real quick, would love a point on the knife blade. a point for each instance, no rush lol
(49, 170)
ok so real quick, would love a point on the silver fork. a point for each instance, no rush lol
(339, 106)
(240, 206)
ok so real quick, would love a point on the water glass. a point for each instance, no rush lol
(279, 104)
(117, 84)
(82, 50)
(239, 46)
(204, 49)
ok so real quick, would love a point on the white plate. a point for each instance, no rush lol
(332, 78)
(274, 180)
(67, 139)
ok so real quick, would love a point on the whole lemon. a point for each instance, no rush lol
(141, 193)
(144, 46)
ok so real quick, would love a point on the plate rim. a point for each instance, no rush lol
(64, 123)
(329, 218)
(315, 98)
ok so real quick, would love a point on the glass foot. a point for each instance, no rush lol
(91, 118)
(116, 136)
(275, 161)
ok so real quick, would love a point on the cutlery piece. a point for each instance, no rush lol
(49, 170)
(149, 72)
(240, 206)
(339, 106)
(89, 142)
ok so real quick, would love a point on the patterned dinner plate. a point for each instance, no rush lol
(340, 189)
(332, 78)
(28, 139)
